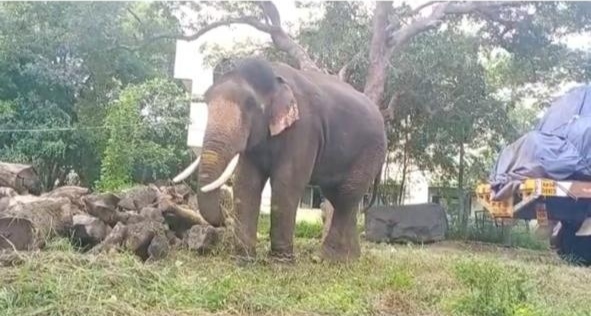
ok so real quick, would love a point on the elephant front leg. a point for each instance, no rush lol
(284, 204)
(249, 184)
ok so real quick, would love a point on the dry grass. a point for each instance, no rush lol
(445, 279)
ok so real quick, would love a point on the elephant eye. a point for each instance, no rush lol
(251, 103)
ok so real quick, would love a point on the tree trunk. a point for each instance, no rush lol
(22, 178)
(404, 167)
(27, 226)
(461, 197)
(378, 55)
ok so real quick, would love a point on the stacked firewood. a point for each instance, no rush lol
(146, 220)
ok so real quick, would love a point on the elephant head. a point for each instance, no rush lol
(245, 107)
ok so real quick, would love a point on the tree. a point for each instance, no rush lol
(62, 63)
(145, 129)
(440, 88)
(511, 24)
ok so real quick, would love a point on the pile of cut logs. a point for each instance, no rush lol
(146, 220)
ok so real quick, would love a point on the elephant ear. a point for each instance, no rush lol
(283, 108)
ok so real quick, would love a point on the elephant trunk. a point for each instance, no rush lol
(218, 162)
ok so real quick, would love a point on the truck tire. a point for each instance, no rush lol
(572, 248)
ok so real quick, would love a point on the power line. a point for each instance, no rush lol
(59, 129)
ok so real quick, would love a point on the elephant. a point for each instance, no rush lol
(270, 121)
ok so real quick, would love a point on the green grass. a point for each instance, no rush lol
(489, 233)
(442, 279)
(303, 229)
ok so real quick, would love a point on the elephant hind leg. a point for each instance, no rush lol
(341, 242)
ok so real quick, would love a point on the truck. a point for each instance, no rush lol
(545, 175)
(561, 206)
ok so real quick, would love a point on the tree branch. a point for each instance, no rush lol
(440, 11)
(284, 41)
(135, 16)
(252, 21)
(388, 111)
(388, 38)
(418, 9)
(280, 38)
(343, 72)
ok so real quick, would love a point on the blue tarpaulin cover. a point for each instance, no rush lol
(559, 148)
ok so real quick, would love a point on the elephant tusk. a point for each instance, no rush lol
(224, 177)
(187, 172)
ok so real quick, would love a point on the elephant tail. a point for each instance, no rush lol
(374, 193)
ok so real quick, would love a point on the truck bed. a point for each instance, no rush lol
(540, 199)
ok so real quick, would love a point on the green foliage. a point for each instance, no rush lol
(62, 63)
(303, 229)
(308, 230)
(145, 128)
(123, 121)
(494, 290)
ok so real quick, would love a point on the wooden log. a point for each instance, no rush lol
(7, 192)
(22, 178)
(113, 240)
(179, 218)
(159, 247)
(28, 226)
(138, 197)
(4, 202)
(73, 193)
(140, 235)
(152, 213)
(87, 231)
(203, 238)
(103, 206)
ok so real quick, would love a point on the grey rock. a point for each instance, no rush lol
(418, 223)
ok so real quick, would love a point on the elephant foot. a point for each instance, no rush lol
(282, 257)
(340, 251)
(244, 253)
(243, 261)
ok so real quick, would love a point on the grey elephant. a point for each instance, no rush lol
(271, 121)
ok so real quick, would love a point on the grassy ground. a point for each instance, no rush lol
(449, 278)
